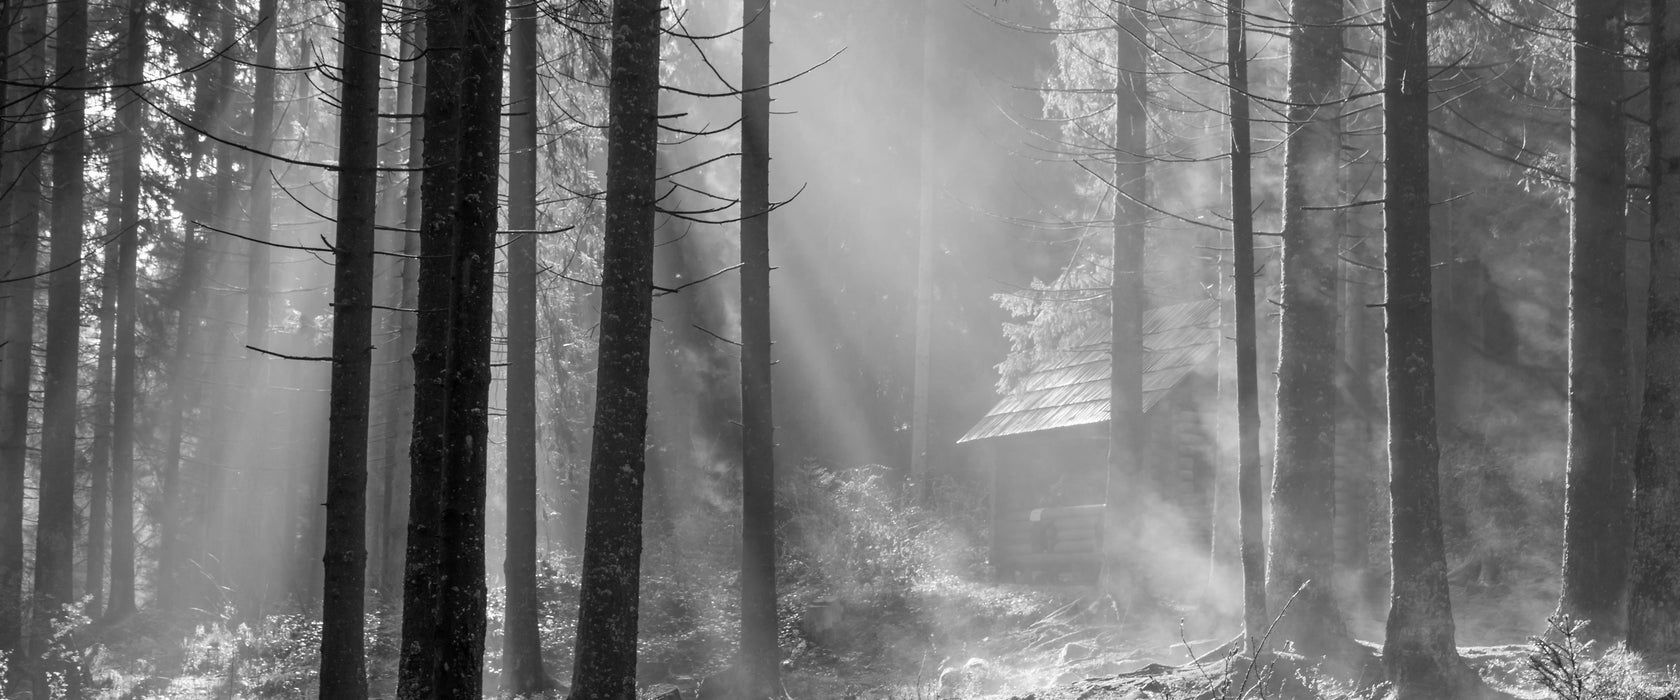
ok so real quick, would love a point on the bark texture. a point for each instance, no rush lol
(522, 667)
(1248, 393)
(1599, 486)
(605, 661)
(56, 529)
(1303, 541)
(26, 26)
(129, 119)
(343, 670)
(461, 603)
(427, 448)
(395, 505)
(1419, 653)
(1654, 600)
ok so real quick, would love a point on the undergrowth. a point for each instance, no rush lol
(906, 576)
(1566, 666)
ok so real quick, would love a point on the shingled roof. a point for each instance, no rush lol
(1071, 386)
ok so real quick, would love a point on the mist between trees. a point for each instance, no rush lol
(891, 349)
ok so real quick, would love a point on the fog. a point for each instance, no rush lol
(986, 129)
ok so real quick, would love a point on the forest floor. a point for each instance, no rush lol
(1069, 643)
(934, 640)
(1081, 651)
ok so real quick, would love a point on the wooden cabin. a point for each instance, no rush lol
(1048, 443)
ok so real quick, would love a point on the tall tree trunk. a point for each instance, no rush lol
(1419, 652)
(386, 546)
(254, 570)
(122, 432)
(926, 163)
(344, 572)
(1654, 600)
(99, 450)
(98, 465)
(1303, 542)
(522, 667)
(14, 297)
(417, 669)
(605, 660)
(462, 602)
(760, 655)
(1599, 489)
(24, 139)
(1121, 568)
(396, 516)
(55, 528)
(1248, 391)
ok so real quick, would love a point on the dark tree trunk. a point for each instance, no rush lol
(1599, 489)
(1248, 392)
(417, 672)
(522, 667)
(1122, 565)
(101, 423)
(462, 599)
(25, 141)
(388, 372)
(387, 528)
(605, 662)
(55, 529)
(1654, 602)
(122, 431)
(344, 566)
(14, 297)
(99, 450)
(1303, 541)
(760, 655)
(1419, 652)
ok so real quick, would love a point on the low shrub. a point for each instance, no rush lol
(1566, 666)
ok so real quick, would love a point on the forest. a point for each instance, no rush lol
(897, 349)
